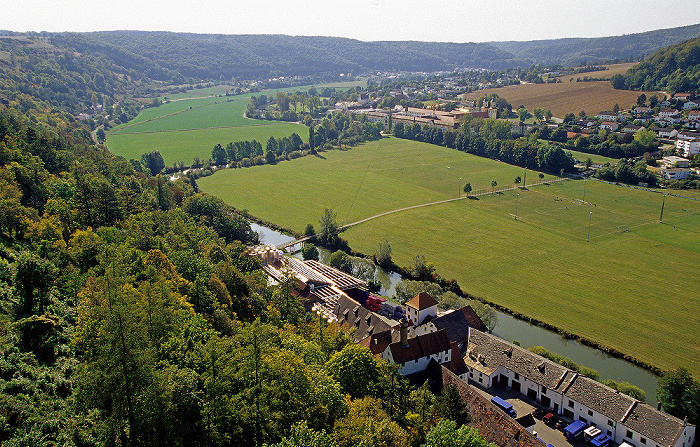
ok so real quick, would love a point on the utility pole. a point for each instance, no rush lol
(661, 217)
(517, 196)
(590, 216)
(524, 178)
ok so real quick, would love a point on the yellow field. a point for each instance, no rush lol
(569, 96)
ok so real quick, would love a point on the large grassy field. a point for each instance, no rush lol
(185, 145)
(628, 284)
(190, 124)
(182, 130)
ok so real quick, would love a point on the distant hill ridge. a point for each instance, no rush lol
(208, 56)
(571, 51)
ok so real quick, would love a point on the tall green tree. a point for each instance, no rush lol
(153, 161)
(679, 395)
(355, 369)
(33, 280)
(446, 434)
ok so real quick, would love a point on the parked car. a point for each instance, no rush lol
(550, 419)
(538, 413)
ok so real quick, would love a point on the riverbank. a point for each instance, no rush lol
(528, 331)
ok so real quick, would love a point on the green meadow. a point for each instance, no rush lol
(182, 130)
(190, 124)
(588, 257)
(583, 156)
(185, 145)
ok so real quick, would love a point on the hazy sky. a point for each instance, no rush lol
(447, 20)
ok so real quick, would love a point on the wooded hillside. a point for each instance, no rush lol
(675, 68)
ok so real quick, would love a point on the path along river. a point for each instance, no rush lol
(528, 335)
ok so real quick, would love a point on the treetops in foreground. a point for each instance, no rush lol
(130, 314)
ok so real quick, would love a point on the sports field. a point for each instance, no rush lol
(188, 128)
(595, 158)
(628, 283)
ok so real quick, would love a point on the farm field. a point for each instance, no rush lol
(613, 289)
(612, 70)
(567, 97)
(183, 130)
(185, 145)
(193, 122)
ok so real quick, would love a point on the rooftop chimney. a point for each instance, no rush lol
(404, 332)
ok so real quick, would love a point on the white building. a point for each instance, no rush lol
(672, 161)
(688, 148)
(420, 307)
(666, 132)
(675, 173)
(491, 361)
(413, 354)
(609, 125)
(608, 116)
(668, 113)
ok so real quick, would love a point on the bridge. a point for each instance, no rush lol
(294, 243)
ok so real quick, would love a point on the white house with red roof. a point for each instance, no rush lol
(421, 307)
(609, 125)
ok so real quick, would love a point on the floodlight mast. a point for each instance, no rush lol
(661, 217)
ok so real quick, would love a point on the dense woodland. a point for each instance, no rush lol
(577, 51)
(675, 68)
(181, 57)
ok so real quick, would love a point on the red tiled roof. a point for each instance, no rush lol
(421, 346)
(422, 301)
(456, 364)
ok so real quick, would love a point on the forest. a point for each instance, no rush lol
(178, 58)
(675, 68)
(131, 314)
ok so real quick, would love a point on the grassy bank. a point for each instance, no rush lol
(613, 290)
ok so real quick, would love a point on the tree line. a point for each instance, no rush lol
(493, 139)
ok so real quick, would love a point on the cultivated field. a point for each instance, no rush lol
(606, 74)
(630, 287)
(190, 124)
(188, 128)
(569, 96)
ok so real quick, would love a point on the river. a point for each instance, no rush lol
(528, 335)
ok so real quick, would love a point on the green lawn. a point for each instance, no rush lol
(195, 114)
(632, 287)
(582, 156)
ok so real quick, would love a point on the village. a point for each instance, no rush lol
(674, 121)
(516, 395)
